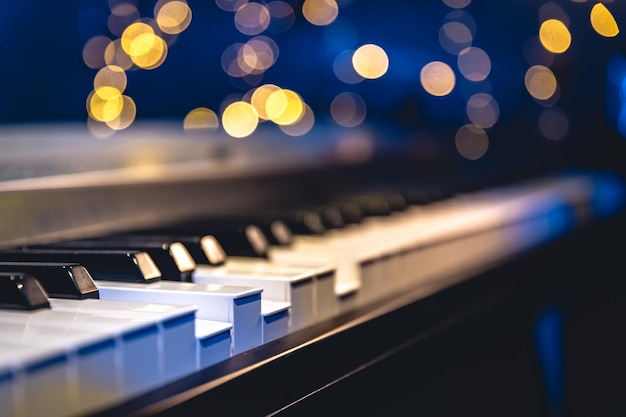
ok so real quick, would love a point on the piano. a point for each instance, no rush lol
(436, 231)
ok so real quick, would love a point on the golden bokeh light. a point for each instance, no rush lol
(172, 16)
(259, 98)
(240, 119)
(302, 126)
(284, 107)
(348, 109)
(132, 33)
(105, 104)
(201, 119)
(555, 36)
(540, 82)
(474, 63)
(437, 78)
(148, 51)
(370, 61)
(127, 115)
(471, 142)
(112, 76)
(603, 21)
(252, 18)
(320, 12)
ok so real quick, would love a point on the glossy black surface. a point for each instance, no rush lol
(60, 280)
(112, 265)
(21, 291)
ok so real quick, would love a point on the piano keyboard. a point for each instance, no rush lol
(146, 329)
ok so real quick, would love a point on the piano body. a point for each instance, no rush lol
(495, 287)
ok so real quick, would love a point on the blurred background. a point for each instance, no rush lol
(483, 84)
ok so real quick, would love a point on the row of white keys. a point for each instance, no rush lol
(176, 327)
(237, 305)
(310, 291)
(386, 254)
(136, 342)
(34, 371)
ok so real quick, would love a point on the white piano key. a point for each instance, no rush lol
(176, 325)
(276, 319)
(90, 368)
(214, 340)
(298, 290)
(238, 305)
(33, 372)
(7, 388)
(326, 303)
(137, 340)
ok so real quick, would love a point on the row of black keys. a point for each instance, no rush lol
(65, 269)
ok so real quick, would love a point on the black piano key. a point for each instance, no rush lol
(374, 204)
(171, 257)
(301, 221)
(109, 265)
(21, 291)
(236, 239)
(60, 280)
(275, 230)
(330, 215)
(204, 249)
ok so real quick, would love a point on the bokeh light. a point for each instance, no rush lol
(603, 21)
(320, 12)
(483, 110)
(112, 76)
(172, 16)
(437, 78)
(239, 119)
(348, 109)
(201, 119)
(471, 142)
(540, 82)
(284, 107)
(555, 36)
(302, 126)
(553, 124)
(455, 36)
(252, 18)
(370, 61)
(474, 63)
